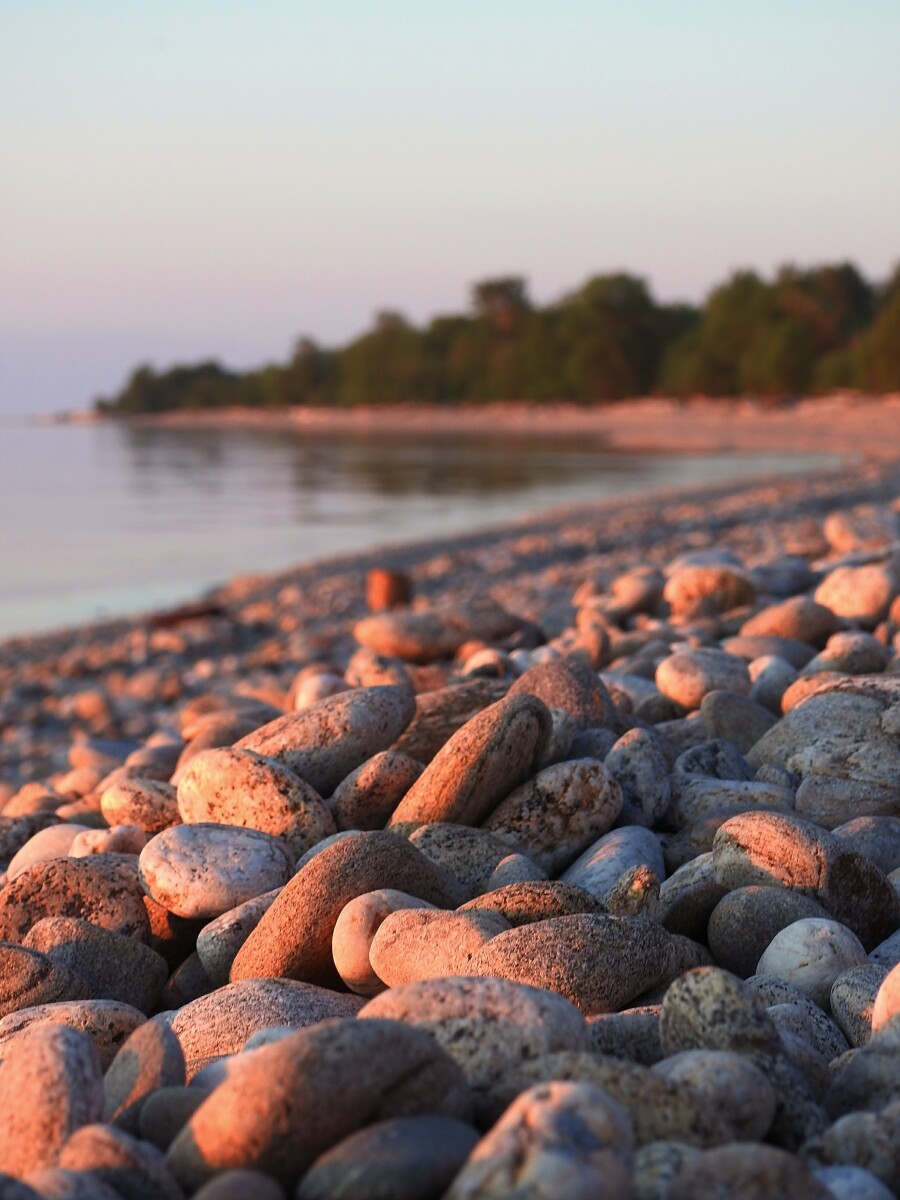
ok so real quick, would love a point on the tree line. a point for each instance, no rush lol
(802, 333)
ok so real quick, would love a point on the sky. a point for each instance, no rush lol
(185, 179)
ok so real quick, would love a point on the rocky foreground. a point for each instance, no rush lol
(553, 862)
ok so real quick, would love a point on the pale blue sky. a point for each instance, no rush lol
(191, 178)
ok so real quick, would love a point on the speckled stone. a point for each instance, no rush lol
(694, 799)
(870, 1078)
(328, 740)
(632, 1034)
(293, 939)
(470, 855)
(747, 1172)
(736, 718)
(727, 1084)
(429, 943)
(408, 1158)
(553, 817)
(821, 1030)
(114, 967)
(746, 919)
(219, 941)
(356, 927)
(485, 1025)
(238, 787)
(366, 799)
(570, 685)
(134, 1169)
(853, 1000)
(780, 848)
(638, 765)
(874, 837)
(689, 896)
(481, 763)
(600, 963)
(222, 1021)
(522, 903)
(28, 977)
(556, 1139)
(863, 1139)
(440, 713)
(604, 863)
(299, 1096)
(886, 1008)
(151, 804)
(107, 1023)
(202, 871)
(103, 889)
(713, 759)
(149, 1059)
(688, 675)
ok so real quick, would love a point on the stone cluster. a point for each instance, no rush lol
(572, 869)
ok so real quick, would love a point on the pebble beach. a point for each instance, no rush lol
(556, 860)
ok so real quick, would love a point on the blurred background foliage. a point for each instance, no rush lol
(805, 332)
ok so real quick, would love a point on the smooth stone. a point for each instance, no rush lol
(851, 651)
(853, 996)
(604, 863)
(556, 1139)
(727, 1084)
(219, 941)
(862, 1139)
(136, 1170)
(553, 817)
(737, 719)
(852, 1183)
(772, 677)
(745, 1172)
(238, 1185)
(887, 953)
(222, 1021)
(300, 1096)
(103, 889)
(46, 844)
(429, 943)
(28, 977)
(707, 588)
(236, 787)
(695, 798)
(50, 1085)
(862, 594)
(414, 636)
(151, 804)
(827, 799)
(658, 1108)
(470, 855)
(799, 618)
(570, 685)
(113, 967)
(638, 765)
(746, 920)
(753, 646)
(407, 1158)
(811, 954)
(107, 1023)
(689, 896)
(887, 1001)
(325, 742)
(780, 848)
(367, 798)
(874, 837)
(356, 927)
(688, 675)
(870, 1078)
(655, 1167)
(202, 871)
(599, 963)
(820, 1030)
(167, 1110)
(119, 839)
(535, 900)
(440, 713)
(293, 939)
(151, 1058)
(482, 763)
(485, 1025)
(632, 1034)
(713, 759)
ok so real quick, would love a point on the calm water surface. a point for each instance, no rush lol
(100, 520)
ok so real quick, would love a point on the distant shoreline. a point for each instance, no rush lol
(844, 424)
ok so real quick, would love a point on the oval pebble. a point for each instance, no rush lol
(811, 954)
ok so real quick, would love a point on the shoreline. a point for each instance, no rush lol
(842, 423)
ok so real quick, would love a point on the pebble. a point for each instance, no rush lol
(746, 919)
(746, 1172)
(368, 796)
(134, 1169)
(50, 1085)
(107, 1023)
(738, 719)
(852, 1000)
(201, 871)
(219, 941)
(569, 685)
(887, 1001)
(28, 977)
(701, 589)
(535, 900)
(43, 846)
(638, 765)
(556, 1139)
(473, 856)
(688, 675)
(440, 713)
(300, 1096)
(559, 812)
(811, 954)
(428, 943)
(481, 764)
(407, 1158)
(237, 787)
(603, 864)
(103, 889)
(149, 1059)
(798, 618)
(293, 939)
(151, 804)
(356, 927)
(325, 742)
(861, 594)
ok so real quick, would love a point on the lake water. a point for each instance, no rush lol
(106, 519)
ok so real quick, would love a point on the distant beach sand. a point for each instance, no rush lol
(853, 425)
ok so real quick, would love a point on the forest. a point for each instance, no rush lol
(803, 333)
